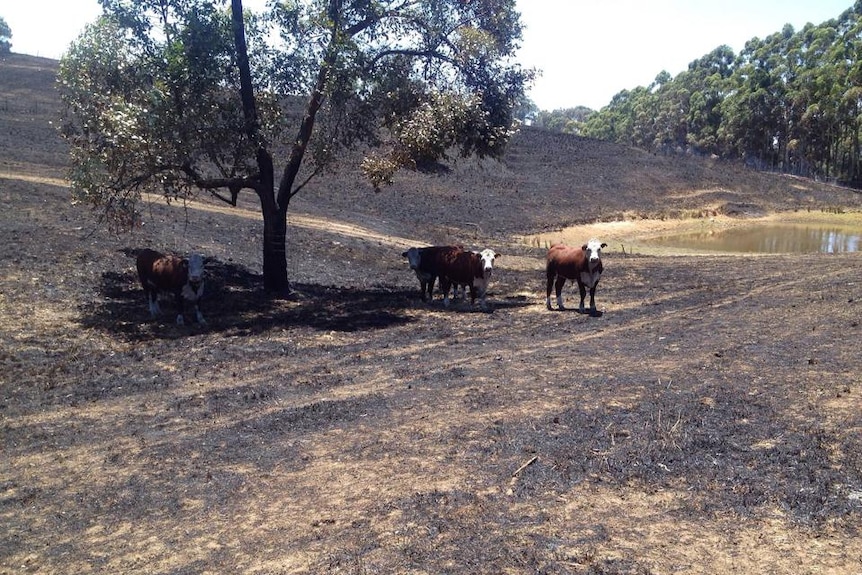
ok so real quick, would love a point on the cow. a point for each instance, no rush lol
(583, 264)
(425, 261)
(184, 278)
(471, 269)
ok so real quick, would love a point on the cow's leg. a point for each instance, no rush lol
(199, 316)
(445, 285)
(558, 286)
(152, 293)
(483, 293)
(593, 311)
(423, 284)
(550, 285)
(153, 302)
(459, 288)
(180, 305)
(582, 288)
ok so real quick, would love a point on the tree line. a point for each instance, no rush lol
(791, 102)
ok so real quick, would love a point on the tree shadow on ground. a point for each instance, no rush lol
(234, 301)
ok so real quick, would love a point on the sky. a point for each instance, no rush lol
(587, 50)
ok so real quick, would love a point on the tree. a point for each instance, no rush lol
(707, 80)
(526, 111)
(568, 120)
(5, 37)
(176, 96)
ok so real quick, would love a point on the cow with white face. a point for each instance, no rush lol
(583, 264)
(425, 262)
(184, 278)
(471, 269)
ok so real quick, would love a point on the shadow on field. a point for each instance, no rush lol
(234, 300)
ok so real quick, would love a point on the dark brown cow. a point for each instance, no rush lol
(180, 277)
(583, 264)
(425, 262)
(472, 269)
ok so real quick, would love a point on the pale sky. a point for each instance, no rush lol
(588, 51)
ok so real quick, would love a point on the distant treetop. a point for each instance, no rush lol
(5, 37)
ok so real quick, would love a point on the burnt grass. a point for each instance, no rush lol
(707, 422)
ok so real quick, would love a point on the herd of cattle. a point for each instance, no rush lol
(453, 266)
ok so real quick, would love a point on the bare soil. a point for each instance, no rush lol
(708, 421)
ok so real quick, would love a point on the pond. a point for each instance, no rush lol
(770, 238)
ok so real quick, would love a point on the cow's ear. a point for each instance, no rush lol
(496, 255)
(584, 247)
(604, 245)
(404, 255)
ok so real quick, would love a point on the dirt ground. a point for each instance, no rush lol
(709, 421)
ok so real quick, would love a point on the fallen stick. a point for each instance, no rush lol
(526, 465)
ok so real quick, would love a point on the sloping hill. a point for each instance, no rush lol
(546, 180)
(707, 422)
(550, 180)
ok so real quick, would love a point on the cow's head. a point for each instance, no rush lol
(196, 269)
(488, 256)
(593, 250)
(413, 257)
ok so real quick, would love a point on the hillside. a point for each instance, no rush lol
(708, 421)
(547, 180)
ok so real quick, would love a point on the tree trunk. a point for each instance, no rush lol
(274, 209)
(274, 213)
(275, 278)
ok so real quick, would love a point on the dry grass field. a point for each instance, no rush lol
(709, 421)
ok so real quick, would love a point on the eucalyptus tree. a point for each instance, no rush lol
(845, 58)
(176, 97)
(568, 120)
(5, 37)
(617, 122)
(755, 114)
(707, 81)
(670, 103)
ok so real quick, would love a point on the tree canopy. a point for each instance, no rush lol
(567, 120)
(5, 37)
(177, 96)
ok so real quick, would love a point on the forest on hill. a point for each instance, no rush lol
(791, 102)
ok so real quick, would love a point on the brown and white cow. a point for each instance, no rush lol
(583, 264)
(425, 262)
(471, 269)
(184, 278)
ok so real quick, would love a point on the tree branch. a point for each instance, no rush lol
(296, 189)
(213, 184)
(263, 184)
(415, 53)
(314, 103)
